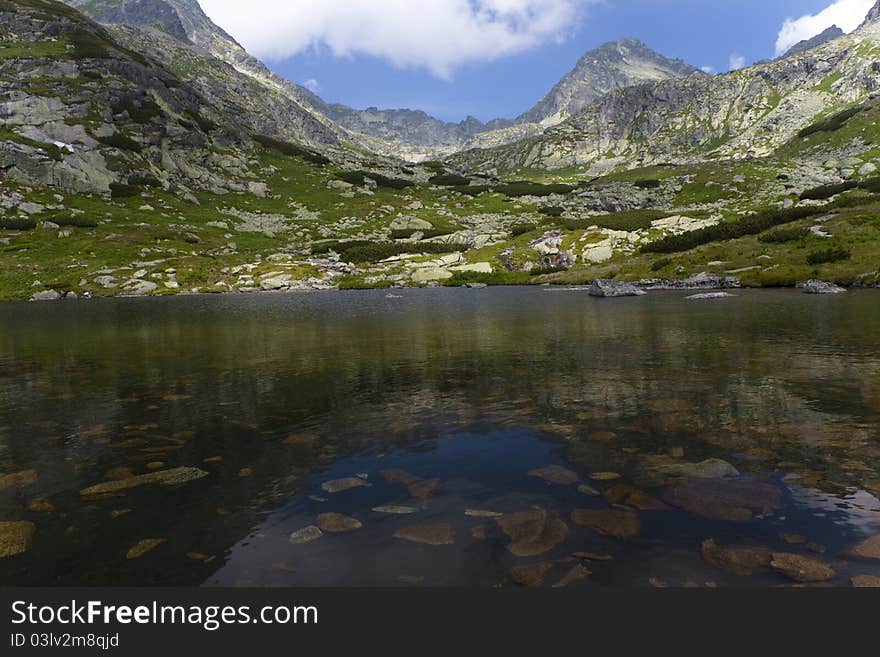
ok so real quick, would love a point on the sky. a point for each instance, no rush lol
(497, 58)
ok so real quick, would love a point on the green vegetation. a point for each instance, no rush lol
(522, 229)
(122, 142)
(831, 254)
(517, 189)
(16, 223)
(832, 123)
(407, 233)
(287, 148)
(449, 180)
(784, 235)
(358, 178)
(751, 225)
(630, 220)
(374, 252)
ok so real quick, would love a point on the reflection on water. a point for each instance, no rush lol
(446, 437)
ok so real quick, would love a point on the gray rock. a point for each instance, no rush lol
(821, 287)
(607, 289)
(710, 295)
(46, 295)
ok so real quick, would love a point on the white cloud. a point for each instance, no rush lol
(708, 69)
(438, 35)
(846, 14)
(737, 62)
(312, 85)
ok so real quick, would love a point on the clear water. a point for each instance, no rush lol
(473, 388)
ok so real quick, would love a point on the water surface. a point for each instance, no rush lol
(466, 392)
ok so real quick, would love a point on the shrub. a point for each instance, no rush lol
(527, 188)
(827, 191)
(142, 111)
(647, 184)
(292, 150)
(829, 255)
(522, 229)
(516, 189)
(832, 123)
(15, 223)
(358, 178)
(407, 233)
(783, 235)
(381, 251)
(552, 211)
(823, 192)
(123, 190)
(460, 278)
(78, 222)
(630, 220)
(750, 225)
(144, 179)
(662, 263)
(449, 180)
(122, 142)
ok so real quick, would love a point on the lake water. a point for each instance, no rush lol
(750, 421)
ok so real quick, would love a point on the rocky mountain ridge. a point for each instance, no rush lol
(407, 134)
(743, 114)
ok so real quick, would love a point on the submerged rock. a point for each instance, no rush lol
(422, 491)
(395, 476)
(868, 549)
(141, 548)
(341, 485)
(709, 296)
(736, 559)
(306, 535)
(532, 532)
(395, 510)
(531, 575)
(336, 523)
(555, 474)
(800, 568)
(15, 537)
(442, 533)
(708, 469)
(821, 287)
(576, 574)
(172, 477)
(866, 582)
(618, 523)
(18, 480)
(608, 289)
(723, 499)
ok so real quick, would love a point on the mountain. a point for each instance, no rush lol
(830, 34)
(742, 114)
(180, 34)
(159, 158)
(168, 27)
(612, 66)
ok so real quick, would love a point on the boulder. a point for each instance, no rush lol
(15, 538)
(46, 295)
(821, 287)
(607, 289)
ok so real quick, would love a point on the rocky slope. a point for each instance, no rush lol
(746, 113)
(178, 33)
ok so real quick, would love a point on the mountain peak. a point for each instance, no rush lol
(830, 34)
(613, 65)
(873, 15)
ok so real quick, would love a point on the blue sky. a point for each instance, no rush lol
(335, 56)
